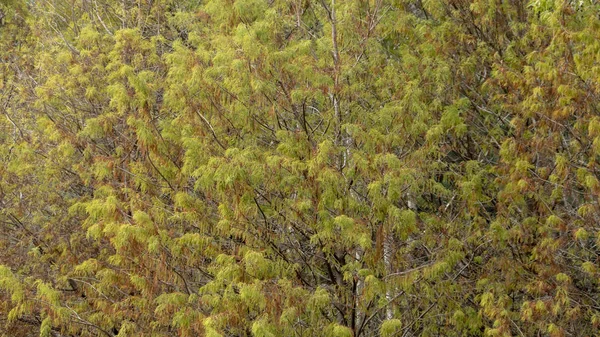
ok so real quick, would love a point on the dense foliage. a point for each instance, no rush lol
(299, 168)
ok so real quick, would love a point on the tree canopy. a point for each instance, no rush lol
(338, 168)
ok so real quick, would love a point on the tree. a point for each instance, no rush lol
(299, 168)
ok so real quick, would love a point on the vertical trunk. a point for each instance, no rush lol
(387, 261)
(357, 292)
(336, 63)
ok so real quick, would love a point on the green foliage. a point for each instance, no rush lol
(390, 327)
(306, 168)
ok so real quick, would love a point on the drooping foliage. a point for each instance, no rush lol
(299, 168)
